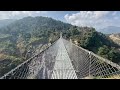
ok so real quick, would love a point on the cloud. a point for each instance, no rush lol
(100, 14)
(97, 19)
(114, 13)
(87, 15)
(19, 14)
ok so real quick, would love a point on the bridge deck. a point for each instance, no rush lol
(63, 68)
(55, 63)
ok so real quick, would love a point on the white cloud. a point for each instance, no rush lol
(116, 18)
(19, 14)
(114, 13)
(15, 13)
(100, 14)
(97, 19)
(88, 18)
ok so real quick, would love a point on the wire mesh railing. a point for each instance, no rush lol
(89, 65)
(37, 67)
(85, 63)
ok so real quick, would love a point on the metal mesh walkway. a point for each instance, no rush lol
(63, 68)
(64, 60)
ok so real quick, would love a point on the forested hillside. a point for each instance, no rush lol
(89, 38)
(23, 38)
(6, 22)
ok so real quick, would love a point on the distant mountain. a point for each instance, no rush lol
(6, 22)
(115, 38)
(29, 24)
(110, 30)
(33, 28)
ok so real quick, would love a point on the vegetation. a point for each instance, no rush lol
(20, 39)
(89, 38)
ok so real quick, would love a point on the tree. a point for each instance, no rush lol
(114, 56)
(103, 51)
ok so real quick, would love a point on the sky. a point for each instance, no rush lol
(96, 19)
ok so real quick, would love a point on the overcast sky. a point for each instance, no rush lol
(97, 19)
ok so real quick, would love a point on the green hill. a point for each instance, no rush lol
(99, 43)
(26, 35)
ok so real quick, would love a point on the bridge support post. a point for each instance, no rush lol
(89, 63)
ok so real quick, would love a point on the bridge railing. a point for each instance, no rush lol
(38, 66)
(85, 63)
(89, 65)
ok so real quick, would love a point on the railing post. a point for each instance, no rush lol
(70, 41)
(89, 63)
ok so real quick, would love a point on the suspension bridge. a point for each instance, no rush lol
(65, 60)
